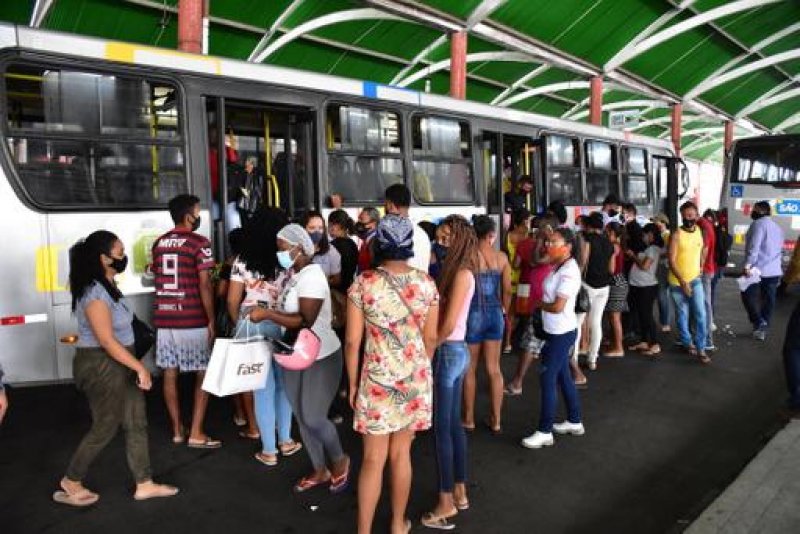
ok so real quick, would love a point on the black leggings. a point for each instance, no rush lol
(643, 299)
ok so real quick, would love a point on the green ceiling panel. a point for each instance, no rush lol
(252, 12)
(736, 94)
(506, 72)
(400, 39)
(231, 42)
(311, 10)
(757, 24)
(458, 8)
(774, 115)
(16, 11)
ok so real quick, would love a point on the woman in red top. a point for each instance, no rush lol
(618, 291)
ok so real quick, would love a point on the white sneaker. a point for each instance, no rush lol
(538, 440)
(576, 429)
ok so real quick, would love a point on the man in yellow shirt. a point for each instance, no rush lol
(687, 254)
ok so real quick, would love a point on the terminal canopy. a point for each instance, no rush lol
(724, 60)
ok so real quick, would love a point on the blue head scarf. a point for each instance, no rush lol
(395, 237)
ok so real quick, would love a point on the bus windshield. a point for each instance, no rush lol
(770, 161)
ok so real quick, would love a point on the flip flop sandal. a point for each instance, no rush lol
(462, 505)
(246, 435)
(340, 483)
(167, 491)
(239, 422)
(468, 428)
(511, 392)
(291, 447)
(496, 430)
(704, 359)
(79, 500)
(306, 484)
(438, 522)
(207, 443)
(270, 460)
(181, 438)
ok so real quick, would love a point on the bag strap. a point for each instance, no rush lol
(393, 284)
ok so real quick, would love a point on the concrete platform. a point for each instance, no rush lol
(765, 497)
(664, 439)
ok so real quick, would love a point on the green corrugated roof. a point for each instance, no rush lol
(590, 32)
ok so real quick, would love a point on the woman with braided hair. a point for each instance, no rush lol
(456, 286)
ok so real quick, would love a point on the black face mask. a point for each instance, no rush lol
(689, 224)
(362, 230)
(613, 213)
(119, 264)
(195, 223)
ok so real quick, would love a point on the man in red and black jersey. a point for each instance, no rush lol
(184, 313)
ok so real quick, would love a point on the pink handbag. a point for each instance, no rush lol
(299, 356)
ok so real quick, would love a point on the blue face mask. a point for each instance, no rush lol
(285, 259)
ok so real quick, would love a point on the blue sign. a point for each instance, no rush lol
(788, 207)
(737, 191)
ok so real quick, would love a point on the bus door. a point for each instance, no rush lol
(505, 159)
(259, 156)
(671, 182)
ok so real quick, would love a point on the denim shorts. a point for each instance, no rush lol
(485, 324)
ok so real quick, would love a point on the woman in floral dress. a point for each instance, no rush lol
(398, 307)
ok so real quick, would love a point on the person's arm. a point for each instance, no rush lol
(455, 302)
(335, 279)
(612, 261)
(429, 330)
(207, 297)
(98, 314)
(309, 310)
(753, 246)
(555, 307)
(586, 250)
(505, 268)
(354, 333)
(3, 397)
(643, 261)
(234, 299)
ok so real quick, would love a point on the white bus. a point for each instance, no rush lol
(763, 168)
(101, 134)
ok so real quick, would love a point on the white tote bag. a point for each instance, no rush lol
(238, 365)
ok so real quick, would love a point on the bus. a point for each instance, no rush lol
(762, 168)
(101, 134)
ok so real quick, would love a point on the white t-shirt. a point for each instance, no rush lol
(644, 278)
(256, 288)
(331, 261)
(564, 282)
(311, 283)
(422, 250)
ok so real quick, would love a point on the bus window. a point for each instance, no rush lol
(772, 162)
(364, 152)
(82, 139)
(442, 164)
(634, 176)
(563, 169)
(601, 171)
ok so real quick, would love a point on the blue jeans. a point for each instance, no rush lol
(759, 301)
(664, 305)
(694, 305)
(553, 373)
(449, 366)
(714, 281)
(271, 403)
(707, 292)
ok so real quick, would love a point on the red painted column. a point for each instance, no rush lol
(728, 136)
(677, 115)
(190, 26)
(458, 65)
(596, 100)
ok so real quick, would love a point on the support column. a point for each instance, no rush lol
(677, 117)
(458, 65)
(190, 26)
(596, 100)
(728, 140)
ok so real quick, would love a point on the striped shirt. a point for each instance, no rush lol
(178, 258)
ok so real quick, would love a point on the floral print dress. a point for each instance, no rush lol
(395, 391)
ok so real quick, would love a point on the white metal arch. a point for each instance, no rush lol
(666, 119)
(623, 105)
(628, 53)
(419, 57)
(262, 43)
(367, 13)
(788, 123)
(718, 80)
(543, 90)
(697, 144)
(471, 58)
(521, 81)
(767, 102)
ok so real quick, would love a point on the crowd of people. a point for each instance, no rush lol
(404, 314)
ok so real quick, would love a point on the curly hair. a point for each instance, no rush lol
(259, 244)
(462, 253)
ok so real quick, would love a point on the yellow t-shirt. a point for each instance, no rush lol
(690, 252)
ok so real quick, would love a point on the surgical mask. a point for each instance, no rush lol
(440, 251)
(558, 252)
(285, 259)
(689, 223)
(119, 264)
(196, 224)
(316, 237)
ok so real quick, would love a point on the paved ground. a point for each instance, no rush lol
(766, 495)
(664, 439)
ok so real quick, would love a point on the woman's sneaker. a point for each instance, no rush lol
(576, 429)
(538, 440)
